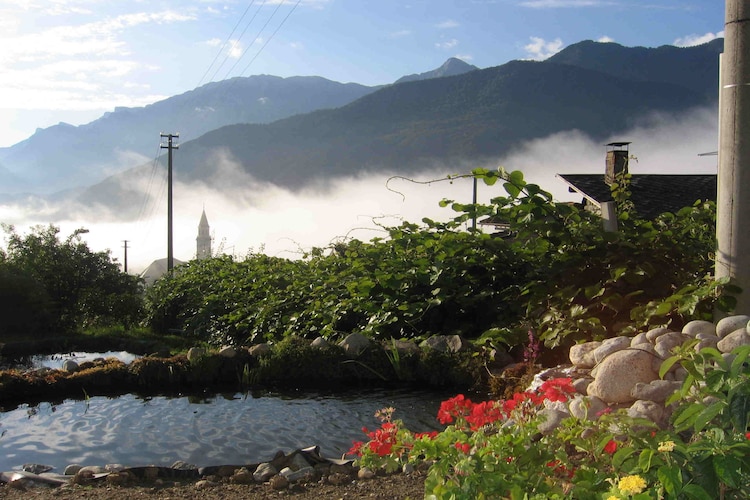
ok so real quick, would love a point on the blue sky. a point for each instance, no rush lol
(73, 60)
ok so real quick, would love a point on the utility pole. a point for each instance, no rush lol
(169, 147)
(125, 246)
(733, 196)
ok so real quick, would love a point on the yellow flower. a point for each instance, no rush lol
(666, 446)
(632, 484)
(612, 497)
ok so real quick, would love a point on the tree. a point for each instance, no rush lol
(77, 287)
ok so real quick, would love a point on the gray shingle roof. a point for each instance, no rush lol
(652, 194)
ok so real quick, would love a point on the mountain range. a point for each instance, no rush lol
(293, 131)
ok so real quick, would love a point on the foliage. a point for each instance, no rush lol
(559, 272)
(63, 285)
(499, 449)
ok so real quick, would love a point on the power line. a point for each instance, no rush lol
(221, 48)
(253, 41)
(271, 37)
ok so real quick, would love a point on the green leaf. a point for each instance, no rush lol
(671, 479)
(728, 469)
(512, 189)
(696, 492)
(667, 365)
(739, 408)
(708, 414)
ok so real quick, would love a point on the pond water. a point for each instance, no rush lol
(55, 361)
(211, 430)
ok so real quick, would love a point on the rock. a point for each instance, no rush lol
(180, 465)
(303, 474)
(639, 339)
(70, 366)
(551, 420)
(655, 333)
(297, 461)
(264, 472)
(666, 343)
(228, 352)
(582, 355)
(114, 467)
(260, 350)
(118, 478)
(618, 374)
(36, 468)
(320, 343)
(365, 473)
(93, 469)
(404, 347)
(712, 341)
(195, 353)
(581, 384)
(354, 344)
(609, 346)
(337, 478)
(657, 390)
(279, 482)
(699, 326)
(586, 408)
(242, 476)
(408, 468)
(72, 469)
(204, 484)
(649, 410)
(727, 325)
(731, 341)
(445, 343)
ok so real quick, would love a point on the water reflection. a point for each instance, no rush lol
(204, 430)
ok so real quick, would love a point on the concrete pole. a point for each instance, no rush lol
(733, 252)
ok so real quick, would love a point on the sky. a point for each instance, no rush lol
(73, 60)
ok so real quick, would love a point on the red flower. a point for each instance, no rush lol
(747, 435)
(560, 469)
(356, 448)
(484, 413)
(431, 435)
(455, 407)
(610, 447)
(557, 389)
(463, 447)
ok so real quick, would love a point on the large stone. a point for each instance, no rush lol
(70, 366)
(733, 340)
(587, 407)
(227, 352)
(611, 345)
(264, 472)
(618, 374)
(260, 350)
(656, 390)
(639, 339)
(582, 355)
(320, 343)
(551, 419)
(354, 344)
(195, 353)
(727, 325)
(665, 344)
(655, 333)
(649, 410)
(446, 343)
(698, 326)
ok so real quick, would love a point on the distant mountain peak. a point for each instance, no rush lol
(453, 66)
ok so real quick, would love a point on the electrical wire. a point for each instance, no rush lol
(223, 45)
(271, 37)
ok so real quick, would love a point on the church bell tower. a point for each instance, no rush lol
(203, 240)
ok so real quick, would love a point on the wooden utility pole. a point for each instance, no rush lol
(169, 147)
(733, 196)
(125, 261)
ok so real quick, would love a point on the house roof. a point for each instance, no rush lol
(652, 194)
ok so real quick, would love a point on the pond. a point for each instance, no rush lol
(202, 430)
(55, 361)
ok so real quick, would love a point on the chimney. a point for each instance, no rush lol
(617, 161)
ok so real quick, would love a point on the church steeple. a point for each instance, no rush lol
(203, 240)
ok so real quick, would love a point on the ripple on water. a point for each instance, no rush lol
(221, 429)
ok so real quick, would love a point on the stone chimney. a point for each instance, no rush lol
(617, 160)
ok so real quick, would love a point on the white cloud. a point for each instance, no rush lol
(605, 39)
(235, 49)
(447, 24)
(464, 57)
(692, 40)
(399, 34)
(448, 44)
(556, 4)
(540, 49)
(214, 42)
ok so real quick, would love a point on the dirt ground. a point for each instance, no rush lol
(395, 487)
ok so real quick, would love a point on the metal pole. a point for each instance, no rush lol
(733, 252)
(170, 146)
(125, 246)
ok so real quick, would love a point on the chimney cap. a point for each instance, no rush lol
(618, 144)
